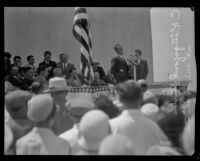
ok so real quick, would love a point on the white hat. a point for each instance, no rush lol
(40, 107)
(149, 97)
(57, 84)
(116, 145)
(8, 138)
(149, 109)
(94, 126)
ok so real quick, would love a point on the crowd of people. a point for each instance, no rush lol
(138, 123)
(40, 120)
(26, 76)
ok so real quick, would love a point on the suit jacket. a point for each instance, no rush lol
(51, 64)
(42, 141)
(119, 69)
(26, 83)
(142, 70)
(14, 81)
(65, 71)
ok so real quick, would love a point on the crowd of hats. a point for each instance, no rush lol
(95, 134)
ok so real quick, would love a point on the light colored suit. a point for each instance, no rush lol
(42, 141)
(142, 131)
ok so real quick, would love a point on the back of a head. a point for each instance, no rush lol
(172, 124)
(94, 126)
(36, 87)
(116, 145)
(188, 137)
(106, 105)
(149, 97)
(129, 92)
(16, 103)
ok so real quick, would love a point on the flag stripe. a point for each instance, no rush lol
(81, 31)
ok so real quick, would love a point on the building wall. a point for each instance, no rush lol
(31, 30)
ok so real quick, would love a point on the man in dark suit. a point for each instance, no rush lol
(141, 66)
(13, 77)
(28, 78)
(119, 66)
(65, 65)
(48, 63)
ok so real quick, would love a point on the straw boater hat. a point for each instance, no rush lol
(57, 84)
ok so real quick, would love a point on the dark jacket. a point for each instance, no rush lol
(142, 70)
(119, 68)
(51, 64)
(14, 81)
(26, 83)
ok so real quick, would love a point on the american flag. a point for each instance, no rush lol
(81, 31)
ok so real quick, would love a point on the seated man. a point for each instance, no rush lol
(97, 68)
(43, 72)
(13, 78)
(73, 79)
(28, 78)
(97, 81)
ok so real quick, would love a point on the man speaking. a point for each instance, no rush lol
(140, 66)
(119, 66)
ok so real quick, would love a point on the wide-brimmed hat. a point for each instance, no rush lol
(57, 84)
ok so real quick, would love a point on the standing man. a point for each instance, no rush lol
(141, 66)
(48, 63)
(119, 67)
(65, 65)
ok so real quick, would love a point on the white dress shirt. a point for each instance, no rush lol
(142, 131)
